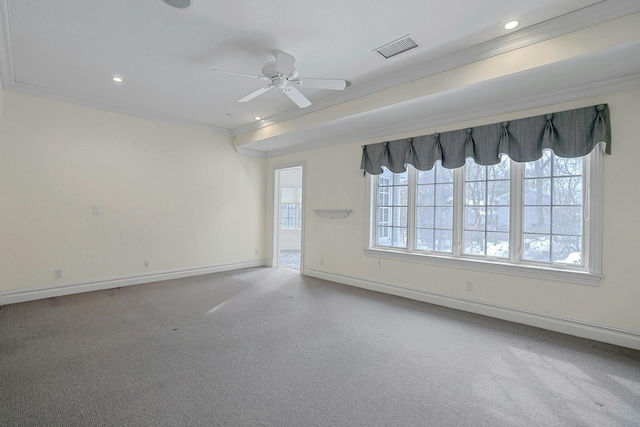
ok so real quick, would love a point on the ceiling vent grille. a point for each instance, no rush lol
(397, 47)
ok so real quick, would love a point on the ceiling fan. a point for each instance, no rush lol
(284, 76)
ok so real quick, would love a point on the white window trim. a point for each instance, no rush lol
(590, 274)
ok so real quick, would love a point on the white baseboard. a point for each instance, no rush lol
(579, 328)
(30, 294)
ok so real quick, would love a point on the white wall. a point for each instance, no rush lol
(179, 197)
(333, 181)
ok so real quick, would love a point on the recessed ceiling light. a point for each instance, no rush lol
(180, 4)
(258, 118)
(116, 79)
(510, 25)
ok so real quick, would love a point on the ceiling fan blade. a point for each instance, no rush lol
(284, 63)
(296, 96)
(332, 84)
(240, 74)
(256, 93)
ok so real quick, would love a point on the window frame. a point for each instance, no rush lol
(589, 274)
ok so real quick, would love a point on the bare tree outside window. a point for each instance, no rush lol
(434, 210)
(486, 209)
(553, 210)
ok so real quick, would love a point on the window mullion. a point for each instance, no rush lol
(458, 210)
(411, 208)
(516, 208)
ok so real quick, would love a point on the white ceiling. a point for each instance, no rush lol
(70, 49)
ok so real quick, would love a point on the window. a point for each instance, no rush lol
(487, 199)
(536, 217)
(391, 223)
(553, 210)
(434, 210)
(291, 215)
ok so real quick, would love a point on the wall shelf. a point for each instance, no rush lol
(332, 213)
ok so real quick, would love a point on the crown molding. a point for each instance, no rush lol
(598, 13)
(56, 96)
(250, 152)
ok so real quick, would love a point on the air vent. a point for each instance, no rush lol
(397, 47)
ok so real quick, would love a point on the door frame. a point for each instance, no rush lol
(275, 260)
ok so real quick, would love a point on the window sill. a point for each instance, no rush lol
(546, 273)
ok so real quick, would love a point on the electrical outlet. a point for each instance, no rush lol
(469, 285)
(256, 252)
(57, 274)
(95, 209)
(321, 261)
(146, 264)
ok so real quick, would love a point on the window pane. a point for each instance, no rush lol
(475, 193)
(400, 217)
(474, 218)
(444, 217)
(384, 216)
(537, 247)
(399, 237)
(424, 217)
(567, 249)
(558, 215)
(424, 239)
(475, 172)
(426, 177)
(487, 200)
(474, 243)
(500, 171)
(443, 241)
(399, 196)
(425, 195)
(444, 194)
(540, 167)
(497, 219)
(498, 244)
(401, 178)
(384, 236)
(567, 191)
(443, 175)
(386, 178)
(567, 220)
(434, 212)
(537, 219)
(567, 167)
(383, 196)
(498, 192)
(537, 191)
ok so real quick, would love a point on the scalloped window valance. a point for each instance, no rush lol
(572, 133)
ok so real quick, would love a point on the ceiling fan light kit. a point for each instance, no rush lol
(283, 75)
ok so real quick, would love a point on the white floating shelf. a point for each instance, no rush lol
(332, 213)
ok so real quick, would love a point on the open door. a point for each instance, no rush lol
(288, 218)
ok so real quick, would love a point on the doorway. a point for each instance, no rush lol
(288, 217)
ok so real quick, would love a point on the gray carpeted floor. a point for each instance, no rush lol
(267, 347)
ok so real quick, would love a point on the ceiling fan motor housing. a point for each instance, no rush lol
(269, 70)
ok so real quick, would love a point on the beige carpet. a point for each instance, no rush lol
(266, 347)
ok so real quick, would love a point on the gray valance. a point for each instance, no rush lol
(572, 133)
